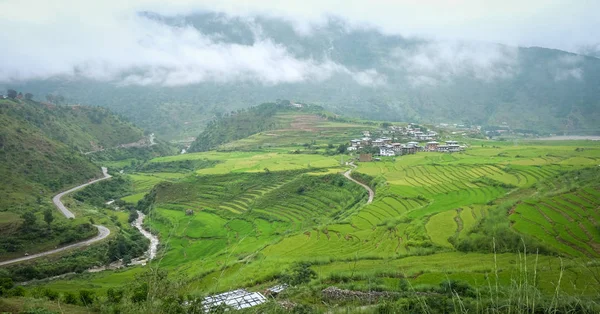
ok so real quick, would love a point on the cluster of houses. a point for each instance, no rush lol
(414, 132)
(388, 148)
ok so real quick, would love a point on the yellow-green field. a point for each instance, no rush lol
(257, 213)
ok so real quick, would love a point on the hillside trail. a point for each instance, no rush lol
(371, 193)
(103, 232)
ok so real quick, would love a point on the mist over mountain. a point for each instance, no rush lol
(180, 71)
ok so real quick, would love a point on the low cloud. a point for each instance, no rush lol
(568, 67)
(132, 49)
(433, 63)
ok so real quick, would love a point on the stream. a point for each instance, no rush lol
(151, 253)
(142, 260)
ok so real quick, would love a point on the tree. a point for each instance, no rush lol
(48, 217)
(59, 99)
(50, 98)
(86, 297)
(29, 219)
(11, 93)
(342, 149)
(29, 96)
(300, 273)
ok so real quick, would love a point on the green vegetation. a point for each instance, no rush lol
(496, 226)
(41, 149)
(247, 122)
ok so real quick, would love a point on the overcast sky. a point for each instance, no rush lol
(44, 38)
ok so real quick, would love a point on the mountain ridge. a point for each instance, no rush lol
(360, 72)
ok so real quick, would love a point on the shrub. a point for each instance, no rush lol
(86, 297)
(69, 298)
(452, 286)
(300, 273)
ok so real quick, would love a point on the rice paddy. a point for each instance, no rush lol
(255, 213)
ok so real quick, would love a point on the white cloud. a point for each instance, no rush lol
(568, 67)
(369, 78)
(434, 62)
(144, 51)
(105, 39)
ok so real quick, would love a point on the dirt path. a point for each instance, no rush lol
(103, 232)
(371, 193)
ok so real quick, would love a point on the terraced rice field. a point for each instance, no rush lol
(249, 224)
(566, 222)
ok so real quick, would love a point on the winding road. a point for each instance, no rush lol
(371, 193)
(103, 232)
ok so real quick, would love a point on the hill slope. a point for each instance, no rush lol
(39, 143)
(39, 155)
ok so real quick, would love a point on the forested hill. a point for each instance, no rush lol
(355, 71)
(245, 122)
(42, 145)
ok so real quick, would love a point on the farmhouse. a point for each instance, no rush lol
(450, 147)
(409, 149)
(387, 150)
(453, 146)
(365, 141)
(415, 145)
(378, 143)
(355, 143)
(431, 146)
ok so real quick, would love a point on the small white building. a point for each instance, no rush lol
(387, 150)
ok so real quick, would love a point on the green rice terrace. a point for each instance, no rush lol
(500, 218)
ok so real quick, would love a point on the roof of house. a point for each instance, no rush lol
(238, 299)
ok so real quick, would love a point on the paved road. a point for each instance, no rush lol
(371, 193)
(61, 206)
(103, 232)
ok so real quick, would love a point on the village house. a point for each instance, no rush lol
(386, 140)
(431, 146)
(450, 147)
(378, 142)
(397, 147)
(387, 150)
(365, 141)
(355, 143)
(408, 149)
(453, 146)
(416, 146)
